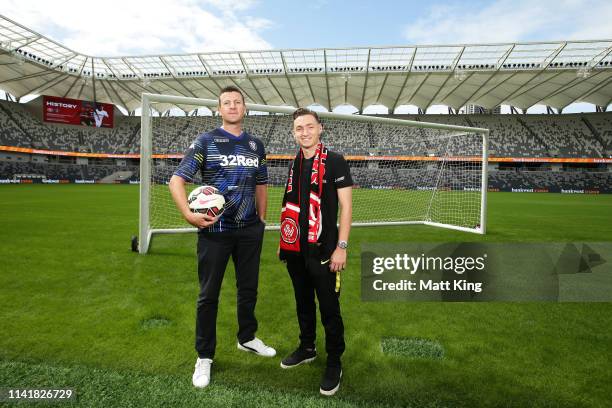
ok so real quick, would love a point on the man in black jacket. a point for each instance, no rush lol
(313, 246)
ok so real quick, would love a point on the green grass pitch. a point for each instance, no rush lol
(79, 309)
(368, 206)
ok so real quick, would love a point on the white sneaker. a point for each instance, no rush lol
(258, 347)
(201, 375)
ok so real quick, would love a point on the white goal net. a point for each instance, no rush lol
(404, 172)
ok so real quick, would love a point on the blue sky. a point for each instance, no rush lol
(168, 26)
(175, 26)
(322, 23)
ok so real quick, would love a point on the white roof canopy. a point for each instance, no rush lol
(555, 74)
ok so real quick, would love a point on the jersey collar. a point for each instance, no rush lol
(226, 133)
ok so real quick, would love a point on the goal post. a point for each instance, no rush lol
(404, 171)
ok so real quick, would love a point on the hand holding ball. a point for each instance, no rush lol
(206, 200)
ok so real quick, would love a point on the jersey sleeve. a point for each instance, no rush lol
(342, 173)
(262, 169)
(193, 160)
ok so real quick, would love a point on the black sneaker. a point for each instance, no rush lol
(330, 383)
(299, 356)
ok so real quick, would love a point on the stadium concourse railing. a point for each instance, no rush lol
(146, 232)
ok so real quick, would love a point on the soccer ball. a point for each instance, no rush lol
(206, 200)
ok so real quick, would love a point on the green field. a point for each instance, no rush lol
(368, 206)
(79, 309)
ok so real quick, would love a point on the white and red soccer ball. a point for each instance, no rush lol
(206, 200)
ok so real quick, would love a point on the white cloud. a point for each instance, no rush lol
(114, 28)
(438, 109)
(513, 20)
(347, 109)
(232, 6)
(406, 110)
(317, 4)
(375, 110)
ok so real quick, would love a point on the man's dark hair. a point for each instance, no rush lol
(230, 88)
(305, 111)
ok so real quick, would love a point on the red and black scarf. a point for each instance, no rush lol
(290, 213)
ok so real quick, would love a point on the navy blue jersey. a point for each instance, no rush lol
(233, 164)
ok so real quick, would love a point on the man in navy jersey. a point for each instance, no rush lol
(234, 162)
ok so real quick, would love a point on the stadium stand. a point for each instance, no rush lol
(20, 128)
(552, 181)
(60, 171)
(509, 138)
(563, 136)
(601, 127)
(573, 136)
(586, 135)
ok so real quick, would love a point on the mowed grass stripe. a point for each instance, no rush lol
(369, 205)
(95, 387)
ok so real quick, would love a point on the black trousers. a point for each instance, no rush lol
(310, 277)
(214, 250)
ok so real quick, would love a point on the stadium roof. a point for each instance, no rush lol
(555, 74)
